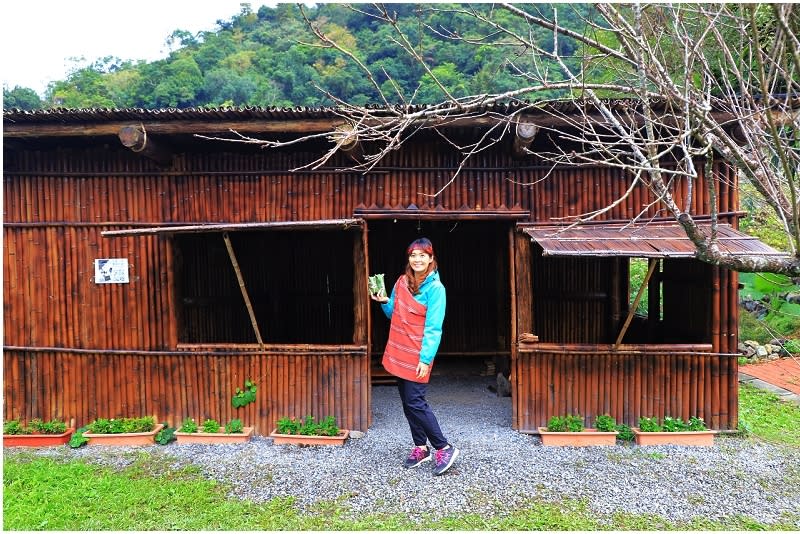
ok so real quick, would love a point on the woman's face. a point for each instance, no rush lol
(419, 261)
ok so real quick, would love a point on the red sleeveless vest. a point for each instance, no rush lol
(401, 356)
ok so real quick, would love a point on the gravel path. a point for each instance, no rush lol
(498, 468)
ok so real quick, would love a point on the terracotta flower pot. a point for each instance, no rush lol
(589, 437)
(297, 439)
(210, 438)
(37, 440)
(129, 439)
(699, 438)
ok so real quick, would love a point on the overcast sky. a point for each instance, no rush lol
(39, 38)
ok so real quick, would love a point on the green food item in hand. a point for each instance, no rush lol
(377, 285)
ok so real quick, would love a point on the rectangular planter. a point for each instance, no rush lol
(589, 437)
(296, 439)
(211, 438)
(37, 440)
(130, 439)
(701, 438)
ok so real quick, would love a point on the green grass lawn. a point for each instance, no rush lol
(45, 494)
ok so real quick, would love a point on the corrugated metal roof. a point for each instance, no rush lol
(647, 241)
(555, 107)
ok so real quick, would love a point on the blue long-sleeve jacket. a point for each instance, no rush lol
(431, 294)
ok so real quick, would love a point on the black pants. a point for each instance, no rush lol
(423, 424)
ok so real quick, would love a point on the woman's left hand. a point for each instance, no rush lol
(422, 370)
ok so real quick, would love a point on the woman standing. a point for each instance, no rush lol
(416, 309)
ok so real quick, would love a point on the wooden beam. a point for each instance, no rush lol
(134, 136)
(245, 294)
(653, 263)
(524, 133)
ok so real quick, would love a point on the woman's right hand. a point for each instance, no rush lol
(376, 298)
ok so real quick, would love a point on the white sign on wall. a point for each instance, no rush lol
(111, 271)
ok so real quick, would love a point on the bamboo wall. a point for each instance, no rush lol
(175, 385)
(58, 200)
(636, 381)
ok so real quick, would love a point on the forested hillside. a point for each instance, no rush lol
(269, 57)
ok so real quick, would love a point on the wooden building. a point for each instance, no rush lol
(150, 271)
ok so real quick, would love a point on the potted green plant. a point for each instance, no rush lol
(306, 431)
(130, 431)
(210, 432)
(569, 431)
(37, 433)
(673, 431)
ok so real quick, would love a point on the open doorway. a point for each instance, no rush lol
(473, 259)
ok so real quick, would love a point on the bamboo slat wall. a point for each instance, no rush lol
(174, 386)
(649, 381)
(58, 201)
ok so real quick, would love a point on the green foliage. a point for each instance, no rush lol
(307, 426)
(235, 426)
(624, 432)
(671, 424)
(649, 424)
(123, 425)
(46, 494)
(566, 423)
(188, 426)
(35, 426)
(21, 98)
(53, 426)
(166, 435)
(78, 440)
(14, 427)
(210, 426)
(262, 60)
(764, 415)
(605, 423)
(245, 396)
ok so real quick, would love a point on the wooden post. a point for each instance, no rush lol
(135, 137)
(524, 135)
(245, 295)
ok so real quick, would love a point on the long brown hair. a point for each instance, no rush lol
(414, 282)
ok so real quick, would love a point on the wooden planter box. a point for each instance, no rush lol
(210, 438)
(130, 439)
(700, 438)
(296, 439)
(589, 437)
(37, 440)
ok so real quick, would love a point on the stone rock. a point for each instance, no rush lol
(761, 351)
(503, 386)
(794, 297)
(751, 343)
(356, 434)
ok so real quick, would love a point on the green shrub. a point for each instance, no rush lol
(210, 426)
(14, 427)
(625, 432)
(188, 426)
(567, 423)
(53, 426)
(123, 425)
(165, 435)
(605, 423)
(307, 426)
(649, 424)
(235, 426)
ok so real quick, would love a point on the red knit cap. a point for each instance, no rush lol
(423, 243)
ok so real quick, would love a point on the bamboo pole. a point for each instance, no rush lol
(243, 289)
(651, 268)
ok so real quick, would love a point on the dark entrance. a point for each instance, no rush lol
(474, 267)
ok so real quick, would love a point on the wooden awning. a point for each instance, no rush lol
(654, 240)
(327, 224)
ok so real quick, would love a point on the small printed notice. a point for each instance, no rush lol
(111, 271)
